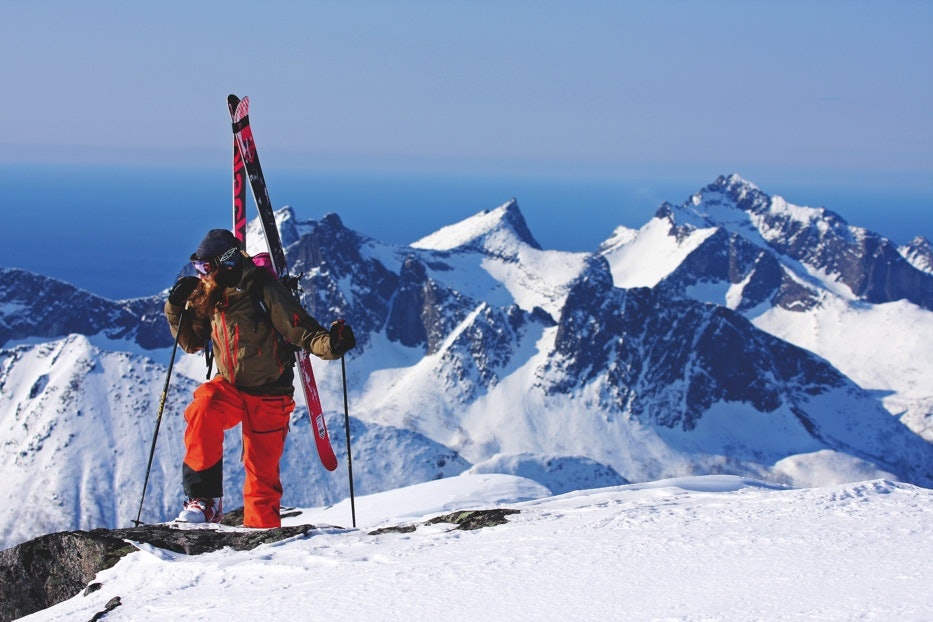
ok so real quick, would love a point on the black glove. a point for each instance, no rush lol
(341, 338)
(182, 288)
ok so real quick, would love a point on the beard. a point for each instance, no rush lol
(207, 297)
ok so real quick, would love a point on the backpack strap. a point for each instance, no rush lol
(261, 311)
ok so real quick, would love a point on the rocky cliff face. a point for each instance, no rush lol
(870, 266)
(35, 306)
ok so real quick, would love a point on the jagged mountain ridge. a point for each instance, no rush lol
(733, 232)
(869, 265)
(802, 274)
(481, 345)
(36, 306)
(682, 365)
(919, 252)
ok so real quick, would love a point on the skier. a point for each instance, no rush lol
(252, 321)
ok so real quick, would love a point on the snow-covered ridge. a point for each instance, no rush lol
(501, 231)
(714, 547)
(919, 253)
(644, 258)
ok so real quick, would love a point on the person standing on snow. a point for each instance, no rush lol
(252, 321)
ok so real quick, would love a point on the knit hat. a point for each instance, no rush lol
(214, 244)
(218, 249)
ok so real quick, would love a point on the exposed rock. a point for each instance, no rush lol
(51, 569)
(474, 519)
(466, 520)
(112, 604)
(204, 540)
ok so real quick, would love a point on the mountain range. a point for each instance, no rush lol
(734, 333)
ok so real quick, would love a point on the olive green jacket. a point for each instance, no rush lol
(247, 346)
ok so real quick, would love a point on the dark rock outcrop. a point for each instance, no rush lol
(465, 520)
(51, 569)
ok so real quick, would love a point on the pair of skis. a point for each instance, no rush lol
(246, 165)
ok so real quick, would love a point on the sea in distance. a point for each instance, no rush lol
(126, 232)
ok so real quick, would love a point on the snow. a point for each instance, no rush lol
(468, 230)
(825, 466)
(689, 549)
(897, 333)
(538, 278)
(511, 270)
(800, 213)
(718, 292)
(919, 253)
(651, 255)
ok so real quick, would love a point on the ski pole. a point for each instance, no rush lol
(155, 434)
(346, 418)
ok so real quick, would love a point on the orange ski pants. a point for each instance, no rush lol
(219, 406)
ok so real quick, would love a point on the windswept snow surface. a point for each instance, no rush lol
(690, 549)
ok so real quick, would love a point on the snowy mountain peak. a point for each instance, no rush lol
(814, 243)
(731, 200)
(499, 231)
(919, 253)
(736, 184)
(732, 186)
(621, 236)
(39, 306)
(727, 202)
(288, 229)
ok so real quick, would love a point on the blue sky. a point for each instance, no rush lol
(403, 116)
(821, 92)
